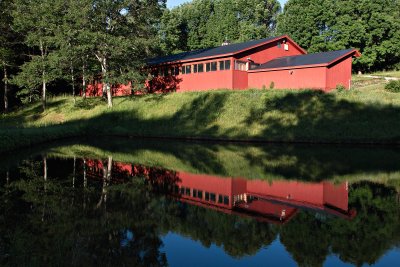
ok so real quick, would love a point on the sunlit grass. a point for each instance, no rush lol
(366, 113)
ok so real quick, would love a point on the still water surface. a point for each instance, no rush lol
(148, 203)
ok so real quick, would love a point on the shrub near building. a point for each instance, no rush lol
(393, 86)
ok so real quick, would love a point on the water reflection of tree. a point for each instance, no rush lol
(46, 227)
(365, 239)
(62, 226)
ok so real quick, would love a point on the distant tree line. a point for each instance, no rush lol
(52, 45)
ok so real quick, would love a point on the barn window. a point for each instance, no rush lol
(176, 70)
(225, 65)
(240, 65)
(226, 200)
(214, 66)
(207, 196)
(208, 67)
(221, 65)
(200, 67)
(188, 69)
(212, 197)
(195, 68)
(183, 70)
(279, 44)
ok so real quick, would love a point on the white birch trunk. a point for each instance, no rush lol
(73, 81)
(83, 81)
(43, 77)
(5, 89)
(106, 85)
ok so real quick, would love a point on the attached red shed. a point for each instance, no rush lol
(324, 71)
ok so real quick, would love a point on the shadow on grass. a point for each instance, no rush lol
(89, 103)
(320, 117)
(302, 116)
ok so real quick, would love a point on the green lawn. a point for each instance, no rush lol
(395, 74)
(365, 114)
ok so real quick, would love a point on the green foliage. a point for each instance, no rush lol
(340, 88)
(393, 86)
(373, 27)
(208, 23)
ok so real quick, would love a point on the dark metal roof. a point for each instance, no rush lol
(209, 52)
(309, 59)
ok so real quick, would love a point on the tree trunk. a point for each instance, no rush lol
(74, 173)
(45, 168)
(106, 181)
(5, 89)
(43, 77)
(73, 81)
(84, 174)
(83, 81)
(106, 85)
(109, 96)
(44, 92)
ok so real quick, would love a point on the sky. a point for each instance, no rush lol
(173, 3)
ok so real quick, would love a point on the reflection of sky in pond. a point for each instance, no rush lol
(183, 251)
(128, 236)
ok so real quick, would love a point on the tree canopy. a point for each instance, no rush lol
(373, 27)
(208, 23)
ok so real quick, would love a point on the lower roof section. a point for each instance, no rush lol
(316, 59)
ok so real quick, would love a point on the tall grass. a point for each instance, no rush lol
(365, 115)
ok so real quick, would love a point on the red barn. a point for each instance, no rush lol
(271, 62)
(276, 61)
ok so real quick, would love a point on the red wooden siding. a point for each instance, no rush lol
(270, 51)
(339, 74)
(289, 78)
(96, 89)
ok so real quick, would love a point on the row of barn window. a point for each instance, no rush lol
(210, 197)
(202, 67)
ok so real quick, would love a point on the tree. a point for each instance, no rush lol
(72, 41)
(37, 20)
(122, 34)
(373, 27)
(207, 23)
(7, 40)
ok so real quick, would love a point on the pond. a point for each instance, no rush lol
(131, 202)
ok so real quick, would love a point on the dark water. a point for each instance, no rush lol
(148, 203)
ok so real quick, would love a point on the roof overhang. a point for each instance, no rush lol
(352, 53)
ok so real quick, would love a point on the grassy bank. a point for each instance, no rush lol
(366, 114)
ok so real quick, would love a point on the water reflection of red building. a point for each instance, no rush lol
(271, 201)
